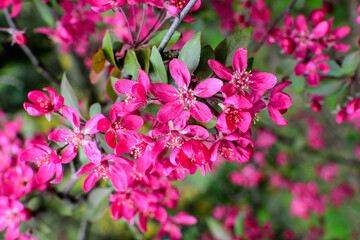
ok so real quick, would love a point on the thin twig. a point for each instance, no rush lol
(128, 24)
(38, 66)
(273, 24)
(142, 22)
(151, 32)
(176, 24)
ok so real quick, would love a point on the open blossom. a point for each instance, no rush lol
(46, 159)
(184, 97)
(333, 35)
(110, 166)
(176, 6)
(104, 5)
(16, 6)
(172, 228)
(248, 177)
(257, 82)
(311, 69)
(79, 135)
(279, 103)
(42, 104)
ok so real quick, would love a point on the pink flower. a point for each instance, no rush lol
(257, 82)
(279, 103)
(135, 93)
(340, 193)
(311, 69)
(235, 116)
(248, 177)
(327, 172)
(46, 159)
(194, 154)
(314, 135)
(16, 8)
(82, 136)
(43, 105)
(110, 166)
(104, 5)
(176, 6)
(171, 225)
(184, 97)
(334, 35)
(19, 37)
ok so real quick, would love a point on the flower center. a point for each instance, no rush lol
(187, 96)
(130, 98)
(42, 160)
(175, 142)
(117, 126)
(179, 3)
(137, 150)
(103, 170)
(242, 80)
(226, 152)
(45, 104)
(233, 114)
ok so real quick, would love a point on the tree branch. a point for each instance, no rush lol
(273, 24)
(176, 24)
(38, 66)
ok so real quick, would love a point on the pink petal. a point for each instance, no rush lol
(104, 124)
(34, 110)
(180, 73)
(52, 93)
(262, 81)
(341, 32)
(110, 138)
(72, 115)
(90, 181)
(58, 103)
(86, 168)
(45, 173)
(320, 30)
(184, 218)
(220, 70)
(300, 69)
(59, 174)
(118, 178)
(69, 153)
(61, 135)
(124, 86)
(341, 47)
(301, 24)
(238, 102)
(38, 96)
(132, 122)
(164, 92)
(222, 124)
(276, 116)
(239, 61)
(170, 111)
(201, 112)
(280, 87)
(142, 222)
(144, 80)
(280, 100)
(208, 88)
(313, 79)
(91, 126)
(228, 90)
(245, 123)
(92, 152)
(182, 120)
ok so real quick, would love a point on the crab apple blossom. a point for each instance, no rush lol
(42, 104)
(47, 160)
(175, 7)
(257, 82)
(279, 103)
(110, 167)
(171, 225)
(82, 135)
(15, 6)
(311, 69)
(184, 97)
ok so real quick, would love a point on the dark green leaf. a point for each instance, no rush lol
(68, 93)
(336, 225)
(57, 205)
(224, 52)
(45, 12)
(94, 109)
(190, 53)
(131, 64)
(159, 36)
(298, 83)
(203, 70)
(143, 56)
(207, 125)
(110, 90)
(335, 70)
(97, 203)
(350, 63)
(157, 71)
(107, 48)
(152, 108)
(98, 61)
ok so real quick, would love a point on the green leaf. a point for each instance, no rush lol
(326, 87)
(190, 53)
(131, 64)
(107, 48)
(98, 61)
(224, 52)
(110, 90)
(239, 224)
(57, 205)
(159, 36)
(298, 83)
(94, 109)
(217, 230)
(157, 71)
(336, 225)
(97, 203)
(207, 125)
(143, 56)
(350, 63)
(68, 93)
(45, 12)
(335, 70)
(203, 70)
(152, 108)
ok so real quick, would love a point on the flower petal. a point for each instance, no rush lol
(170, 111)
(201, 112)
(164, 92)
(239, 61)
(220, 70)
(180, 73)
(208, 88)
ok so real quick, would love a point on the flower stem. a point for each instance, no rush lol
(175, 25)
(38, 66)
